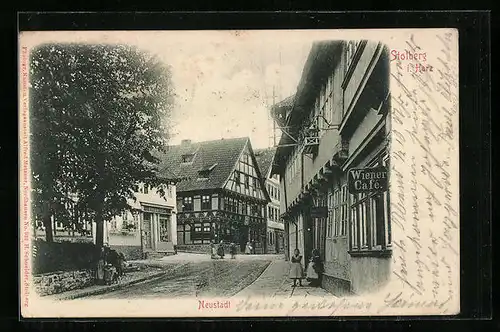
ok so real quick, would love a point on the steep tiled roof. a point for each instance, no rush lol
(265, 159)
(217, 158)
(287, 102)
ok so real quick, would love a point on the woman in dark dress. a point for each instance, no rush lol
(232, 250)
(315, 269)
(220, 250)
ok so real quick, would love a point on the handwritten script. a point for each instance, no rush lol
(424, 187)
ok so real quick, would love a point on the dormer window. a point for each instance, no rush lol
(188, 158)
(204, 173)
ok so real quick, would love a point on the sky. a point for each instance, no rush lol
(224, 80)
(224, 84)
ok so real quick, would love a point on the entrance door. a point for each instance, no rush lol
(147, 231)
(243, 237)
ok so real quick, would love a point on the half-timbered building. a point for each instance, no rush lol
(221, 195)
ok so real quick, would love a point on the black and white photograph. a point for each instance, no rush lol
(239, 173)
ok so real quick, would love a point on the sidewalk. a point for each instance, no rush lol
(128, 279)
(274, 282)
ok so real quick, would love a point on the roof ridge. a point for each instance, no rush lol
(213, 140)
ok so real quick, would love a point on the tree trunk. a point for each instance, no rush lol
(99, 232)
(47, 222)
(99, 243)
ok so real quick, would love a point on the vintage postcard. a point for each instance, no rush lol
(239, 173)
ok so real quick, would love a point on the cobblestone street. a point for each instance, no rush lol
(196, 275)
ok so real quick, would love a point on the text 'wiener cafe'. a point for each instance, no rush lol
(367, 180)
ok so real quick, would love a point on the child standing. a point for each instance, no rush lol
(296, 270)
(248, 248)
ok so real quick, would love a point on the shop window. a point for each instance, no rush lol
(370, 219)
(164, 225)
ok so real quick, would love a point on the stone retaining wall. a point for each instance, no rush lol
(195, 248)
(58, 282)
(130, 252)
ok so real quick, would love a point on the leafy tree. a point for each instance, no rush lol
(99, 114)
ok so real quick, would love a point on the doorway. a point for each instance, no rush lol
(147, 231)
(243, 237)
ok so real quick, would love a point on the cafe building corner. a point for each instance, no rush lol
(334, 164)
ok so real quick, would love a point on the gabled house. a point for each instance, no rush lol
(149, 228)
(275, 227)
(221, 194)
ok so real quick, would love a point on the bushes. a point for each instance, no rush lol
(62, 256)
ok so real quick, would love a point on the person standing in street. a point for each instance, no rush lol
(315, 269)
(213, 251)
(248, 248)
(296, 270)
(253, 247)
(220, 250)
(232, 250)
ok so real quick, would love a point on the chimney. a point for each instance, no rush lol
(185, 142)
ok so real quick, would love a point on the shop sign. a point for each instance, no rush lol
(319, 212)
(152, 209)
(363, 180)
